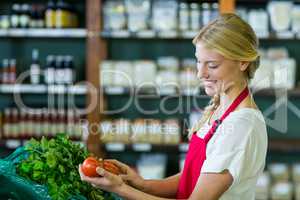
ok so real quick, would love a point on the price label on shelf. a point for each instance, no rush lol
(146, 34)
(143, 147)
(167, 90)
(285, 35)
(13, 144)
(189, 91)
(3, 32)
(120, 34)
(263, 35)
(115, 90)
(77, 89)
(189, 34)
(56, 89)
(115, 146)
(168, 34)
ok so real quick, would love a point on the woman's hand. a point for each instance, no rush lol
(129, 175)
(106, 181)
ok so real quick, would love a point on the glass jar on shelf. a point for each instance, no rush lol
(15, 16)
(4, 22)
(183, 16)
(195, 17)
(114, 16)
(171, 130)
(154, 128)
(138, 13)
(139, 131)
(122, 130)
(107, 131)
(50, 15)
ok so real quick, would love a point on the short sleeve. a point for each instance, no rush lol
(230, 148)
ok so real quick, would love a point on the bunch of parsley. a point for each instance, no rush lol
(54, 163)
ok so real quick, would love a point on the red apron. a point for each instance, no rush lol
(196, 154)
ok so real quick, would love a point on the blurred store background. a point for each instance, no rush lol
(125, 69)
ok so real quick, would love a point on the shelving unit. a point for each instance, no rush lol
(188, 35)
(150, 45)
(41, 89)
(43, 33)
(101, 45)
(18, 43)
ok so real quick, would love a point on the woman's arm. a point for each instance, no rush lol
(210, 186)
(163, 188)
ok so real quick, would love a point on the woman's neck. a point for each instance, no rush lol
(227, 97)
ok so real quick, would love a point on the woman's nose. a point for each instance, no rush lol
(202, 71)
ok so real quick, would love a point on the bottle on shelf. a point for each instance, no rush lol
(195, 17)
(5, 71)
(35, 69)
(14, 128)
(7, 122)
(59, 70)
(25, 16)
(40, 16)
(183, 16)
(36, 16)
(15, 16)
(23, 123)
(49, 73)
(1, 73)
(206, 13)
(4, 21)
(62, 15)
(1, 125)
(12, 71)
(214, 11)
(50, 14)
(68, 69)
(74, 16)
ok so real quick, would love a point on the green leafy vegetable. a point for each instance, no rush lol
(54, 163)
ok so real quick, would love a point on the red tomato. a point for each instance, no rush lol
(89, 166)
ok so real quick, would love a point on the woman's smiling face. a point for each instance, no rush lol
(217, 73)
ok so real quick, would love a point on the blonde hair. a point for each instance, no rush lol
(234, 39)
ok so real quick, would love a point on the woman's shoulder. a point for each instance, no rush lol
(246, 116)
(242, 125)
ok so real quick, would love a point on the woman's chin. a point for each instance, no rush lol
(210, 91)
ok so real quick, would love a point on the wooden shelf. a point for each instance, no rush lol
(44, 33)
(199, 92)
(273, 92)
(277, 145)
(170, 91)
(188, 35)
(285, 145)
(145, 147)
(15, 143)
(39, 89)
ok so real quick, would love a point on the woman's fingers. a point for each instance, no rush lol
(92, 180)
(125, 177)
(121, 165)
(102, 172)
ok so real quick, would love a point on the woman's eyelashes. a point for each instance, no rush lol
(212, 65)
(209, 64)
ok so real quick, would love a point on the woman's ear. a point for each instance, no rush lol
(244, 65)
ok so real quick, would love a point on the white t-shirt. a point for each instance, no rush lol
(240, 146)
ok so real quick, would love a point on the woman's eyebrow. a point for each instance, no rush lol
(209, 61)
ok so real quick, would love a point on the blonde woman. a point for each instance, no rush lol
(228, 145)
